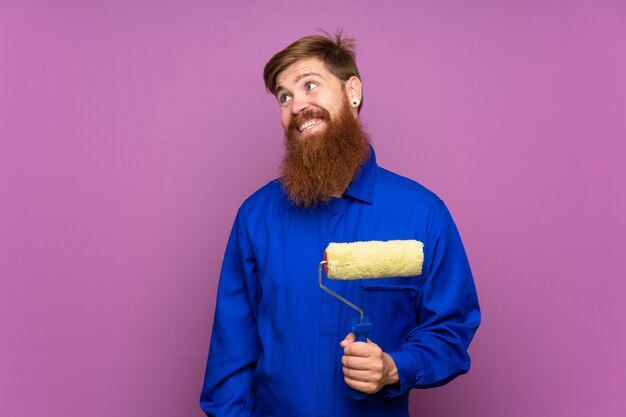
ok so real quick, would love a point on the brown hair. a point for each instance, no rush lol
(336, 52)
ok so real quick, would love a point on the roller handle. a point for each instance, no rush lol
(361, 331)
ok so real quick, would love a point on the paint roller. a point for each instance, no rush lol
(370, 259)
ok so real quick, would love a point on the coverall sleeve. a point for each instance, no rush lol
(447, 313)
(229, 386)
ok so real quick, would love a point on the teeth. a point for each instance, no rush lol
(308, 125)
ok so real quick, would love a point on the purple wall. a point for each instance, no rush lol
(131, 131)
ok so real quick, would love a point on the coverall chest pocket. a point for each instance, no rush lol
(393, 310)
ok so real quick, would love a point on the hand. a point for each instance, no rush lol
(366, 367)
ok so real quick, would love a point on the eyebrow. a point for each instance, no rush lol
(298, 78)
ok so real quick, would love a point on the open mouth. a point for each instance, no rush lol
(308, 125)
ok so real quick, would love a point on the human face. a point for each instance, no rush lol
(322, 166)
(305, 89)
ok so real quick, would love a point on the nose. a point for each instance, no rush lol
(299, 102)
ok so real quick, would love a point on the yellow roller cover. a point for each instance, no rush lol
(374, 259)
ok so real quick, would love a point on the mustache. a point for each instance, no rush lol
(308, 114)
(313, 171)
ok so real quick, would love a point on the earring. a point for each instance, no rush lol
(355, 102)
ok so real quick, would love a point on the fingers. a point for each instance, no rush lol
(362, 363)
(363, 376)
(365, 386)
(371, 374)
(365, 350)
(350, 338)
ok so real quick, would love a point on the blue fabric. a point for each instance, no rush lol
(275, 342)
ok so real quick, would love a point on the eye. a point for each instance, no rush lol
(283, 98)
(310, 86)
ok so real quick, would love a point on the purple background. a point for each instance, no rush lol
(131, 131)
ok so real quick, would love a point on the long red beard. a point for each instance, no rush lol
(319, 166)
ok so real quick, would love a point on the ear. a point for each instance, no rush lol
(354, 91)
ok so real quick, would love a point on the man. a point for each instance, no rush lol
(279, 344)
